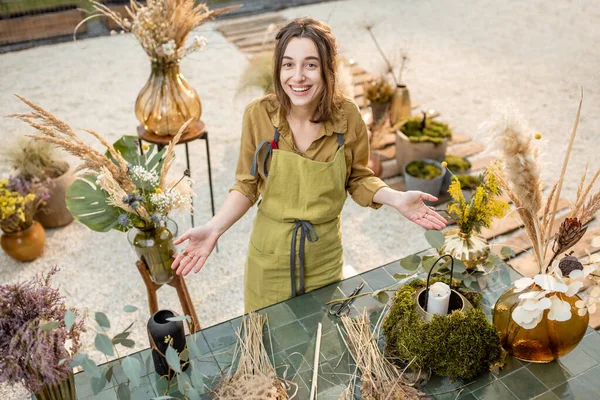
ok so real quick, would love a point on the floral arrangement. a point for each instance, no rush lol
(379, 91)
(520, 179)
(19, 200)
(33, 159)
(484, 206)
(119, 189)
(37, 334)
(162, 26)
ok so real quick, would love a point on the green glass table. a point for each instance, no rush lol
(293, 326)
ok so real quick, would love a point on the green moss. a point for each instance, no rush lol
(462, 345)
(457, 164)
(423, 170)
(379, 91)
(468, 182)
(433, 132)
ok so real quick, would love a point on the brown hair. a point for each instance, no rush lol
(324, 40)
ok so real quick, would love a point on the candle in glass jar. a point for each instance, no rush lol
(438, 298)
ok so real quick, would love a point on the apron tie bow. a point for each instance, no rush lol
(307, 232)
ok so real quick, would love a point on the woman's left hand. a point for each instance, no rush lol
(411, 205)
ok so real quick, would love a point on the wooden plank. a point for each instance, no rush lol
(244, 43)
(482, 162)
(258, 32)
(513, 222)
(465, 150)
(236, 35)
(526, 264)
(458, 138)
(248, 22)
(259, 48)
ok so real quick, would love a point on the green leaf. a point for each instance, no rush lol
(381, 296)
(98, 384)
(459, 266)
(133, 370)
(127, 343)
(129, 308)
(104, 344)
(468, 281)
(173, 359)
(184, 355)
(127, 145)
(48, 326)
(62, 361)
(428, 262)
(401, 276)
(109, 373)
(163, 398)
(121, 336)
(123, 392)
(410, 263)
(183, 383)
(192, 394)
(180, 318)
(88, 204)
(77, 360)
(69, 319)
(191, 344)
(435, 239)
(102, 319)
(90, 367)
(197, 378)
(507, 252)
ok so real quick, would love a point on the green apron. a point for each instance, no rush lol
(296, 240)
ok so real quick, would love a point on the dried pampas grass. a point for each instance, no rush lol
(380, 379)
(255, 377)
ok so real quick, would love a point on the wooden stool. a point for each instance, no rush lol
(196, 131)
(182, 292)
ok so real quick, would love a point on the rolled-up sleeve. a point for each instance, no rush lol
(362, 183)
(246, 183)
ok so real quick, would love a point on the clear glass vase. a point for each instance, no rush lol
(548, 340)
(167, 100)
(471, 249)
(154, 246)
(64, 390)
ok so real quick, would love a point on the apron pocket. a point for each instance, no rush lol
(264, 278)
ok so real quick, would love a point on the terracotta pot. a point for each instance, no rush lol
(26, 245)
(55, 213)
(544, 343)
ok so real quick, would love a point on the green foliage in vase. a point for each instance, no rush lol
(461, 345)
(419, 130)
(379, 91)
(423, 170)
(33, 159)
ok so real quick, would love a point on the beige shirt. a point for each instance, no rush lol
(264, 114)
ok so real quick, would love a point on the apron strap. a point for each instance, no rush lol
(255, 158)
(307, 231)
(340, 139)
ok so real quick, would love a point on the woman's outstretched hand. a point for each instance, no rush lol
(202, 241)
(411, 205)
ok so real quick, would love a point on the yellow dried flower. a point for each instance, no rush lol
(538, 136)
(444, 164)
(145, 147)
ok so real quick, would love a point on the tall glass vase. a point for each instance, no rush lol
(154, 246)
(64, 390)
(167, 100)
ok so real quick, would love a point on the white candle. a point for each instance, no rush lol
(438, 298)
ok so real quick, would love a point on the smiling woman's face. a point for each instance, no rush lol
(300, 74)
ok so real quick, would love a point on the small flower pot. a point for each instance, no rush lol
(54, 213)
(407, 151)
(431, 186)
(25, 245)
(380, 112)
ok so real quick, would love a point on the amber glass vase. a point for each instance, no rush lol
(154, 246)
(548, 340)
(167, 100)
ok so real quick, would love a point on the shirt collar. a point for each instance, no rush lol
(338, 122)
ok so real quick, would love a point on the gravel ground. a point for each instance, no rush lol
(463, 57)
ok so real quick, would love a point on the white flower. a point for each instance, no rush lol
(596, 241)
(550, 283)
(522, 284)
(582, 274)
(529, 312)
(200, 41)
(560, 310)
(168, 48)
(140, 174)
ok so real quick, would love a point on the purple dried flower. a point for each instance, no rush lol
(28, 354)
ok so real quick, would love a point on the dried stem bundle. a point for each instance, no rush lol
(380, 378)
(255, 376)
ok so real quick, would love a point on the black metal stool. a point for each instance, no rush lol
(196, 131)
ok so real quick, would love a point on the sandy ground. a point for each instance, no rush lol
(463, 57)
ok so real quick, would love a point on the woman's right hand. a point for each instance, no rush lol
(202, 241)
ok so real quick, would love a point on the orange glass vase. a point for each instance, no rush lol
(25, 245)
(167, 100)
(548, 340)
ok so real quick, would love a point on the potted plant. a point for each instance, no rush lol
(23, 238)
(122, 190)
(541, 319)
(36, 160)
(422, 138)
(456, 166)
(424, 175)
(379, 93)
(38, 335)
(465, 243)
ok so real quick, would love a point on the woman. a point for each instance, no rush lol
(302, 149)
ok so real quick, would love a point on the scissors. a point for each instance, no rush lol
(340, 309)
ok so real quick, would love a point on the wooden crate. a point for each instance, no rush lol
(22, 27)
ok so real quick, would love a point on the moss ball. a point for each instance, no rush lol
(423, 170)
(434, 131)
(457, 164)
(461, 345)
